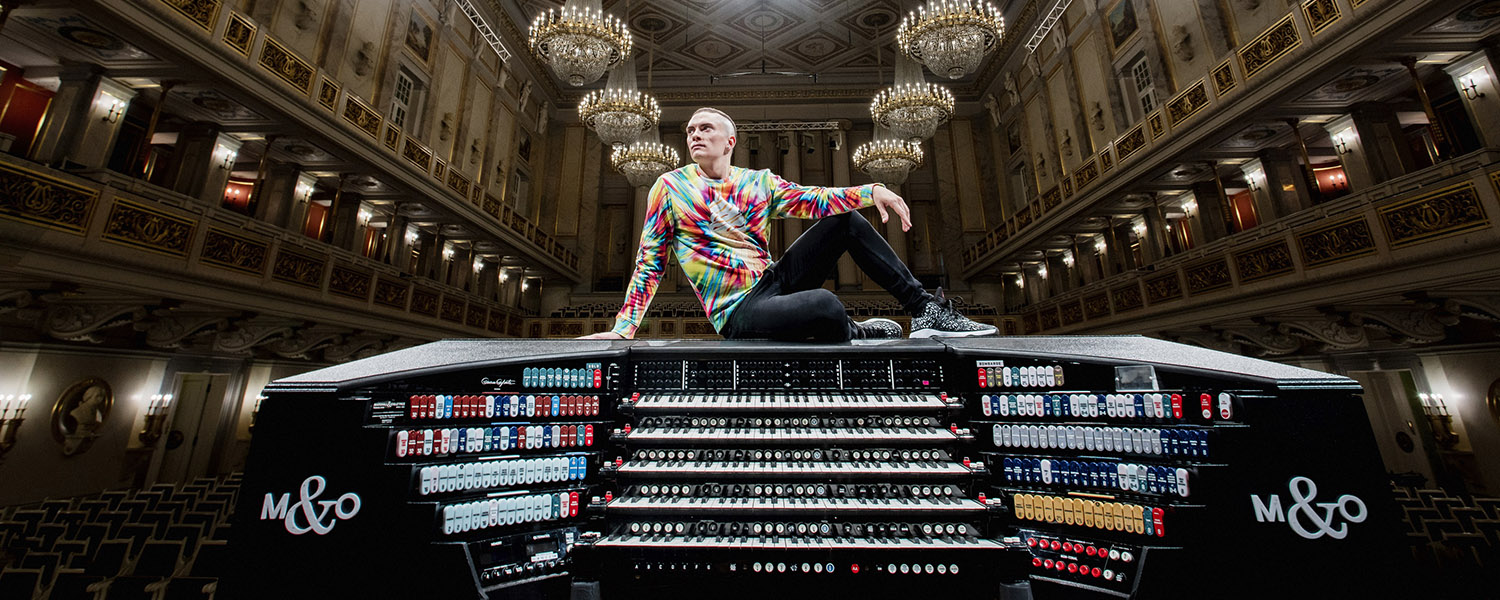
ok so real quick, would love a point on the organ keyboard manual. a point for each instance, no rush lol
(1090, 467)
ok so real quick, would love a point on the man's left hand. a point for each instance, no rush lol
(885, 199)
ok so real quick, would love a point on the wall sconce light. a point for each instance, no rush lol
(156, 419)
(1253, 179)
(1189, 207)
(1020, 280)
(255, 413)
(113, 108)
(1470, 84)
(1341, 142)
(303, 191)
(1099, 245)
(225, 157)
(1439, 419)
(1067, 259)
(364, 217)
(1041, 270)
(478, 265)
(447, 252)
(232, 193)
(1139, 229)
(12, 413)
(526, 284)
(411, 236)
(504, 275)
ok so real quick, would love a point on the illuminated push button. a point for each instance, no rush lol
(1109, 574)
(1114, 554)
(1090, 551)
(1031, 541)
(1067, 547)
(756, 567)
(928, 568)
(1095, 572)
(1047, 563)
(1127, 556)
(1056, 545)
(1073, 567)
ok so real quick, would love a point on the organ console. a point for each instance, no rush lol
(1115, 467)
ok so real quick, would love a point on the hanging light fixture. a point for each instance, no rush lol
(644, 161)
(912, 108)
(580, 42)
(620, 113)
(951, 36)
(887, 160)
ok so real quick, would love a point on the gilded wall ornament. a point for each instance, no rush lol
(79, 414)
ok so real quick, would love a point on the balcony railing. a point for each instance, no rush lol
(217, 256)
(1233, 82)
(1434, 214)
(236, 37)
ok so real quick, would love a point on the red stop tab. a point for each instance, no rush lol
(1156, 514)
(1205, 402)
(598, 377)
(1177, 406)
(573, 504)
(588, 435)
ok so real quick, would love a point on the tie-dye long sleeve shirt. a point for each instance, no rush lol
(718, 230)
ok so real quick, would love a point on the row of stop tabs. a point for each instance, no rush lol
(470, 440)
(490, 406)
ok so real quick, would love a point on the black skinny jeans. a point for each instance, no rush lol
(789, 302)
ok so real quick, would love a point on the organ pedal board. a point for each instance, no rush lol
(1115, 467)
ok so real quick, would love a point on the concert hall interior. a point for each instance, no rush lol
(201, 197)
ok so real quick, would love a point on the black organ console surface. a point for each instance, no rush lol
(1092, 467)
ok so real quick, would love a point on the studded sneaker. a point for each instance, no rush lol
(877, 329)
(938, 318)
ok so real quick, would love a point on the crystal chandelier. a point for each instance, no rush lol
(887, 160)
(580, 42)
(619, 113)
(912, 109)
(950, 36)
(644, 161)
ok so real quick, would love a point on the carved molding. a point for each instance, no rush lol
(1269, 341)
(354, 347)
(1334, 332)
(246, 334)
(1420, 325)
(82, 322)
(1208, 338)
(172, 330)
(306, 340)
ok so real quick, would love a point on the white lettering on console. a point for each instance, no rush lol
(1303, 516)
(302, 517)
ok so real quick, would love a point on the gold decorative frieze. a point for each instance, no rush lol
(439, 169)
(286, 65)
(458, 183)
(39, 199)
(1207, 276)
(229, 250)
(1096, 306)
(143, 227)
(475, 317)
(689, 327)
(1269, 46)
(569, 328)
(1031, 323)
(496, 322)
(1072, 313)
(1356, 3)
(1106, 160)
(1067, 190)
(1127, 297)
(1224, 78)
(1052, 198)
(1268, 260)
(299, 269)
(328, 95)
(492, 206)
(453, 310)
(1187, 103)
(1131, 142)
(1320, 14)
(391, 292)
(202, 12)
(424, 302)
(361, 116)
(1086, 174)
(240, 33)
(1154, 122)
(392, 136)
(1162, 288)
(1332, 243)
(1049, 319)
(1434, 215)
(417, 154)
(350, 282)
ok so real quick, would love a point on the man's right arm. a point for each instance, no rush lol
(650, 261)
